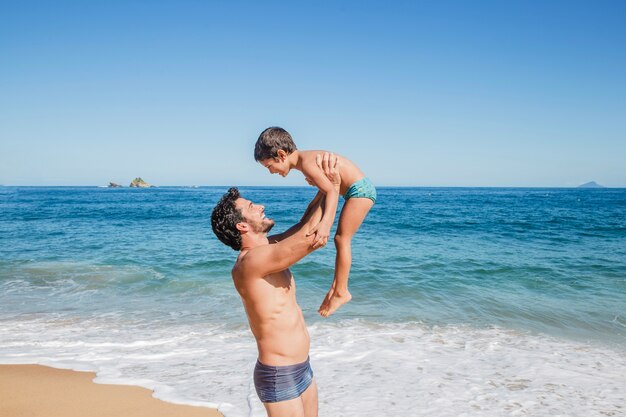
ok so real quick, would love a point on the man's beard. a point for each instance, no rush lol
(269, 226)
(264, 226)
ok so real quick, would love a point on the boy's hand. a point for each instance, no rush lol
(321, 232)
(329, 164)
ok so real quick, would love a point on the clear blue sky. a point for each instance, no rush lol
(468, 93)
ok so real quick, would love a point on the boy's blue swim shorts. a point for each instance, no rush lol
(363, 188)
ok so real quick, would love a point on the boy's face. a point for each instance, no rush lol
(276, 166)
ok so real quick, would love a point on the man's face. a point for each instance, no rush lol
(276, 166)
(254, 215)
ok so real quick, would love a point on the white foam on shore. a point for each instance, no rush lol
(362, 369)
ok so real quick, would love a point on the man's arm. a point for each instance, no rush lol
(266, 259)
(280, 236)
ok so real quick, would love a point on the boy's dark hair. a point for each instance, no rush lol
(270, 141)
(225, 217)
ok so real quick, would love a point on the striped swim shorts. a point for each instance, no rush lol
(281, 383)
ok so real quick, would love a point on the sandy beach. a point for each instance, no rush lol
(39, 391)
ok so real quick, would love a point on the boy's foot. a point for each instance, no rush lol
(336, 300)
(324, 305)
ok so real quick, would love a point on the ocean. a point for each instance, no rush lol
(466, 301)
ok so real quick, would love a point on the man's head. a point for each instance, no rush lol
(234, 216)
(272, 148)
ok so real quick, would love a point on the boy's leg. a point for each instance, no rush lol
(352, 215)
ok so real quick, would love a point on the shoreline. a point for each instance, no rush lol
(42, 391)
(496, 369)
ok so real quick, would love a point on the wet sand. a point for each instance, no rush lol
(39, 391)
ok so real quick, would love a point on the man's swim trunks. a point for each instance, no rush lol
(363, 188)
(281, 383)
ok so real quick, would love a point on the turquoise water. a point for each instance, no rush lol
(89, 274)
(537, 259)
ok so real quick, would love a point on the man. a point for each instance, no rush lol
(282, 376)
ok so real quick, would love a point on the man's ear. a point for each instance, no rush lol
(242, 227)
(282, 155)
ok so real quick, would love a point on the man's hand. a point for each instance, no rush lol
(321, 232)
(329, 164)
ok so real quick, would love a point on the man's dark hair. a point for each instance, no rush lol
(270, 141)
(225, 217)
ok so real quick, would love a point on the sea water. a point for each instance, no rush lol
(466, 301)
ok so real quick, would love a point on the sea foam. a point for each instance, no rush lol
(361, 368)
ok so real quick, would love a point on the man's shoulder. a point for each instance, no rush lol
(245, 273)
(247, 262)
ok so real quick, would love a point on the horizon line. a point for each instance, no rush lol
(308, 186)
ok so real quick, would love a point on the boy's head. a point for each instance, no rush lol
(272, 140)
(272, 148)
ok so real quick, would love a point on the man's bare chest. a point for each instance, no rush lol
(281, 279)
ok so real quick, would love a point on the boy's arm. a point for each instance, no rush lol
(316, 174)
(329, 165)
(280, 236)
(266, 259)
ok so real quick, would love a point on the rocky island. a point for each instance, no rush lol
(139, 183)
(114, 185)
(591, 184)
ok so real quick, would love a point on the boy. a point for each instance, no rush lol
(277, 152)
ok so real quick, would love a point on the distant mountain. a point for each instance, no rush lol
(591, 184)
